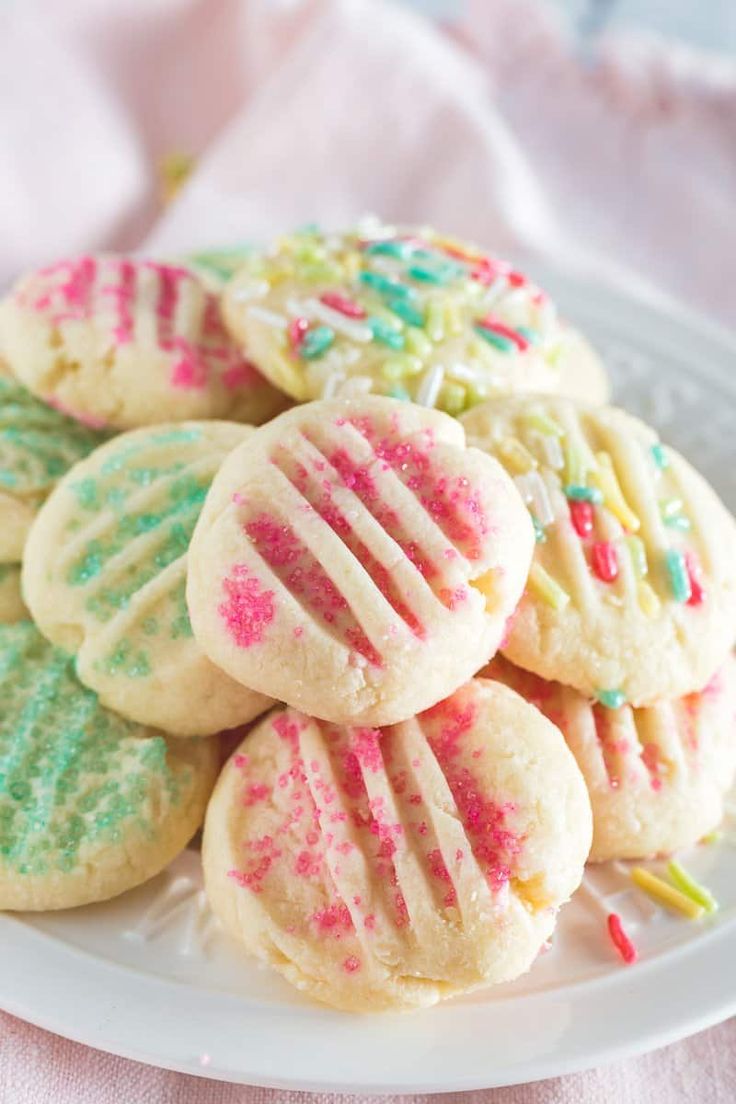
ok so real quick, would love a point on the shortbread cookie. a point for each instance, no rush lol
(407, 313)
(388, 869)
(657, 777)
(12, 607)
(37, 445)
(105, 575)
(123, 342)
(355, 560)
(90, 805)
(632, 593)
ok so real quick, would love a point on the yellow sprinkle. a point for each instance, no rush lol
(648, 600)
(436, 319)
(452, 398)
(174, 170)
(666, 894)
(351, 263)
(476, 393)
(417, 342)
(712, 837)
(537, 419)
(453, 319)
(401, 366)
(638, 554)
(547, 588)
(578, 462)
(516, 455)
(605, 479)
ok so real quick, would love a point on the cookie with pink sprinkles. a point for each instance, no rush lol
(657, 777)
(356, 560)
(389, 868)
(124, 342)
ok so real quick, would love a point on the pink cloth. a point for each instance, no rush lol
(324, 109)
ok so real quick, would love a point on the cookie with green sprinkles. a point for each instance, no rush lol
(90, 804)
(404, 312)
(631, 596)
(105, 571)
(38, 444)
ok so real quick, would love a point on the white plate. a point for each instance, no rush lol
(149, 976)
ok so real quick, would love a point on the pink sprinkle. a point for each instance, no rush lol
(343, 304)
(620, 939)
(298, 631)
(695, 575)
(370, 922)
(240, 374)
(240, 761)
(581, 514)
(249, 609)
(351, 964)
(334, 919)
(255, 793)
(496, 326)
(297, 331)
(605, 561)
(365, 743)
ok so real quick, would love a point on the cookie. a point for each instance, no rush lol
(124, 342)
(657, 777)
(355, 560)
(12, 607)
(582, 372)
(389, 869)
(632, 593)
(37, 445)
(90, 805)
(407, 313)
(105, 573)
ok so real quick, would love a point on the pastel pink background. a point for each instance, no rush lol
(324, 109)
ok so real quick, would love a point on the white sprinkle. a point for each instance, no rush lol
(356, 385)
(494, 291)
(370, 227)
(268, 317)
(533, 490)
(313, 308)
(332, 384)
(429, 388)
(548, 447)
(467, 373)
(255, 290)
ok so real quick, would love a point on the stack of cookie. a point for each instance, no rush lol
(406, 820)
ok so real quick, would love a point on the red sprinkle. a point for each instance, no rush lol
(297, 330)
(605, 561)
(581, 515)
(695, 575)
(343, 304)
(620, 939)
(495, 325)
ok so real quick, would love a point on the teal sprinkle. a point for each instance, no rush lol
(73, 775)
(398, 392)
(386, 286)
(406, 312)
(540, 533)
(504, 344)
(661, 459)
(611, 699)
(678, 521)
(86, 494)
(425, 275)
(577, 493)
(316, 342)
(678, 575)
(401, 249)
(532, 336)
(386, 334)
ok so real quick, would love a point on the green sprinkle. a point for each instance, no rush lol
(386, 334)
(678, 575)
(577, 493)
(401, 249)
(540, 533)
(611, 699)
(660, 457)
(498, 341)
(692, 889)
(680, 523)
(406, 312)
(382, 284)
(425, 275)
(452, 398)
(316, 342)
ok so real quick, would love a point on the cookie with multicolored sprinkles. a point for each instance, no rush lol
(12, 606)
(657, 776)
(383, 869)
(632, 593)
(37, 446)
(90, 805)
(356, 560)
(407, 313)
(124, 342)
(105, 571)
